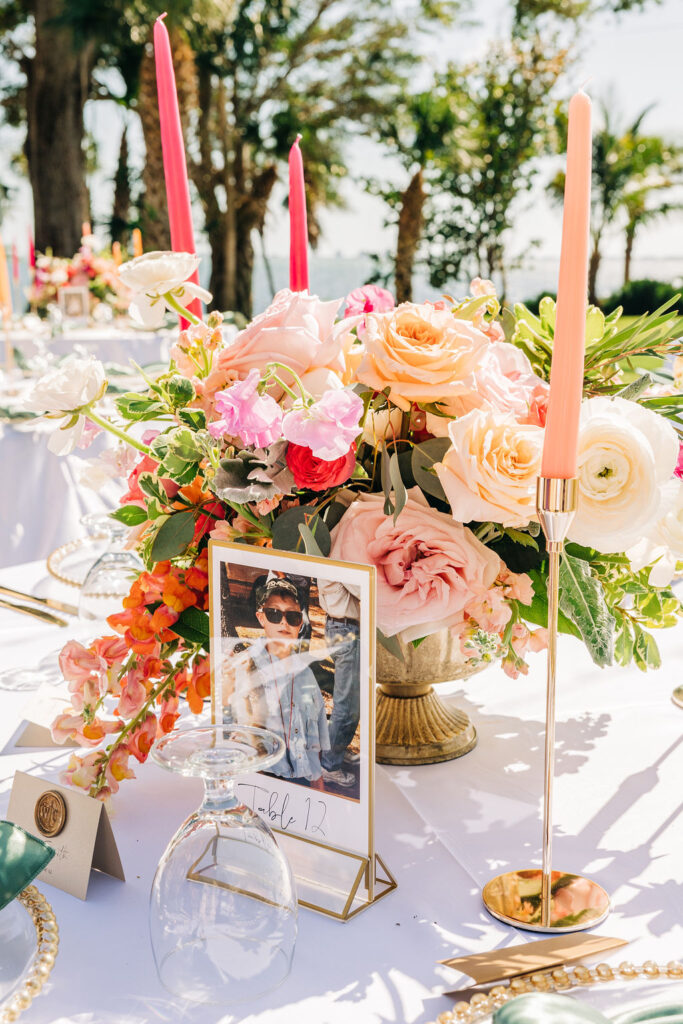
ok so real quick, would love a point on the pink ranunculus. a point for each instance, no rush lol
(256, 419)
(296, 329)
(79, 663)
(328, 427)
(368, 299)
(428, 566)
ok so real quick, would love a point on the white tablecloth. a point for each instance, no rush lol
(109, 342)
(444, 830)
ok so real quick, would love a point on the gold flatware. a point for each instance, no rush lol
(37, 613)
(49, 602)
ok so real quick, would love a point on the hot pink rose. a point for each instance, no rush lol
(328, 427)
(370, 298)
(428, 566)
(297, 329)
(678, 471)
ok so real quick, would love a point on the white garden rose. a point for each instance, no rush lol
(626, 455)
(155, 275)
(65, 389)
(489, 473)
(662, 546)
(76, 381)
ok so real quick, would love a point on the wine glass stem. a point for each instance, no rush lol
(219, 795)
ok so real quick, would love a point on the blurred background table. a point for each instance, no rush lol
(443, 830)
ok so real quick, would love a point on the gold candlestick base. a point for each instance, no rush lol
(543, 900)
(516, 898)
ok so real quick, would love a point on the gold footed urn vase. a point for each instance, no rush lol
(414, 726)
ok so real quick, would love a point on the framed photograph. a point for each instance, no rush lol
(74, 302)
(292, 651)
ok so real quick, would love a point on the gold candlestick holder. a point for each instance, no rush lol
(546, 900)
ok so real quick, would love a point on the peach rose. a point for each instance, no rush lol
(489, 473)
(428, 566)
(503, 382)
(421, 353)
(296, 329)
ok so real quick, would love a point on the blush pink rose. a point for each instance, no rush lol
(428, 566)
(502, 382)
(297, 329)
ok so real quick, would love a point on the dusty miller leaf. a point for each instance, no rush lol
(582, 600)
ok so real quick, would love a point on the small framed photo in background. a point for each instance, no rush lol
(292, 651)
(74, 303)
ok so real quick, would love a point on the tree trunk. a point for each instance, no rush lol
(120, 214)
(410, 221)
(58, 79)
(630, 238)
(153, 208)
(593, 267)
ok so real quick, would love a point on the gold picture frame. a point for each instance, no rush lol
(341, 874)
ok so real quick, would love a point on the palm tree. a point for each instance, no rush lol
(640, 211)
(628, 168)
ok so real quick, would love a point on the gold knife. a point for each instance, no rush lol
(37, 613)
(49, 602)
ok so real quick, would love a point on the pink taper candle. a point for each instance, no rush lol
(173, 150)
(298, 226)
(31, 251)
(566, 377)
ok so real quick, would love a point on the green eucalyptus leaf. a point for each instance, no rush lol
(400, 493)
(173, 536)
(583, 601)
(386, 481)
(423, 459)
(391, 644)
(310, 543)
(286, 533)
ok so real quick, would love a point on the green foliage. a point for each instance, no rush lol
(173, 536)
(641, 296)
(193, 626)
(505, 106)
(131, 515)
(289, 536)
(583, 601)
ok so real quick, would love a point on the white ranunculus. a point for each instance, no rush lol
(153, 276)
(73, 383)
(489, 473)
(662, 546)
(627, 453)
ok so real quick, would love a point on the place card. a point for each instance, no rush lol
(74, 824)
(529, 957)
(39, 713)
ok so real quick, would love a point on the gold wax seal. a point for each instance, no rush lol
(50, 813)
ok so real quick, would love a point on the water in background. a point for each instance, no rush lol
(337, 276)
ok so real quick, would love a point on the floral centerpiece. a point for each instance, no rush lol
(90, 268)
(408, 438)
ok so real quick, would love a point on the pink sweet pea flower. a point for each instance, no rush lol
(256, 419)
(328, 427)
(369, 299)
(90, 432)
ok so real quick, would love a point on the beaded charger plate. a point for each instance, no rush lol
(29, 939)
(566, 981)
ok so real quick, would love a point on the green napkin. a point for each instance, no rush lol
(543, 1008)
(22, 857)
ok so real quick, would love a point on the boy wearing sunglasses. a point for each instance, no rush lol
(278, 690)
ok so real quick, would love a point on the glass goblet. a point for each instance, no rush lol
(109, 579)
(223, 910)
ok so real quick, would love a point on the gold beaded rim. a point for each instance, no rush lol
(560, 979)
(56, 557)
(47, 945)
